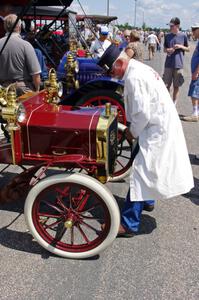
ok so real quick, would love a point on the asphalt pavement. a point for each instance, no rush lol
(162, 262)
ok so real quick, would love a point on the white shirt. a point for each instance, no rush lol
(161, 168)
(152, 39)
(97, 47)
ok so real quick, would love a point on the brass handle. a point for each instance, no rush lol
(58, 153)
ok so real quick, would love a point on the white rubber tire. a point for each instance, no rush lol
(90, 183)
(121, 127)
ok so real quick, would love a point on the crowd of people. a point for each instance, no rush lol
(174, 43)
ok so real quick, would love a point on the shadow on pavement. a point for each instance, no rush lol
(193, 195)
(148, 223)
(21, 241)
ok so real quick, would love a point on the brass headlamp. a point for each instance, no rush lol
(9, 105)
(72, 68)
(54, 89)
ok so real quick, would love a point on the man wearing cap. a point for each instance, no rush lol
(100, 45)
(161, 169)
(175, 44)
(194, 85)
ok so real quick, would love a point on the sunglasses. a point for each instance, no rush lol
(194, 29)
(126, 36)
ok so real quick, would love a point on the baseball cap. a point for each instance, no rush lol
(174, 21)
(104, 30)
(195, 25)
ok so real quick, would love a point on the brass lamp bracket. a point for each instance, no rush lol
(52, 88)
(71, 68)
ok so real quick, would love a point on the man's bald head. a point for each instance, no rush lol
(9, 22)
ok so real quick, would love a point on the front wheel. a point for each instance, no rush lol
(65, 214)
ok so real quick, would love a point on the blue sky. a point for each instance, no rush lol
(155, 13)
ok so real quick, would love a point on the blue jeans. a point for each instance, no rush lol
(131, 213)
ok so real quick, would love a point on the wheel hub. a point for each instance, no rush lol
(69, 223)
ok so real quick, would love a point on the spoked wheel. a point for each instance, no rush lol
(125, 156)
(65, 214)
(101, 97)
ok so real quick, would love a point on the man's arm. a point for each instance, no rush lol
(195, 75)
(184, 47)
(36, 81)
(167, 49)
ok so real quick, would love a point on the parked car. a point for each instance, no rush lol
(64, 212)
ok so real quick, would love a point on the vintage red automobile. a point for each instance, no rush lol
(84, 146)
(64, 212)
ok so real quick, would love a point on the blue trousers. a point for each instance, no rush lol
(131, 213)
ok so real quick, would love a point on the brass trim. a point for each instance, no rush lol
(102, 142)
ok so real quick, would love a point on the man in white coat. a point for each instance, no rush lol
(161, 169)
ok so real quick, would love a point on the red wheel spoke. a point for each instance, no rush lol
(53, 206)
(64, 192)
(83, 234)
(40, 214)
(50, 226)
(89, 226)
(83, 202)
(59, 200)
(120, 163)
(91, 208)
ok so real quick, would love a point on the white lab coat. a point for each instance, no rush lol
(161, 168)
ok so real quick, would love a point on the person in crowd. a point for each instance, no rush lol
(4, 11)
(145, 37)
(100, 45)
(152, 41)
(157, 170)
(194, 85)
(175, 45)
(160, 35)
(18, 61)
(126, 39)
(135, 48)
(30, 37)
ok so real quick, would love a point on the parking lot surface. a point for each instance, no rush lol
(162, 262)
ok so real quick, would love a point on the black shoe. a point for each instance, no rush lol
(148, 207)
(125, 233)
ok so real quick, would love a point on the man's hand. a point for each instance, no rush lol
(178, 46)
(170, 51)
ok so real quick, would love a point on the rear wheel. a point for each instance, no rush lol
(64, 214)
(101, 97)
